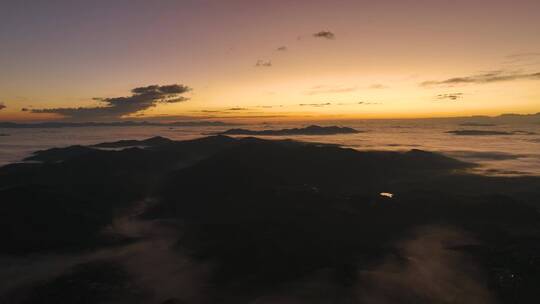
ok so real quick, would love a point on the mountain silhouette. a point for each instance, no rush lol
(310, 130)
(265, 214)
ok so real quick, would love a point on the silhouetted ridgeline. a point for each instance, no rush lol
(62, 154)
(150, 142)
(479, 120)
(476, 121)
(310, 130)
(261, 221)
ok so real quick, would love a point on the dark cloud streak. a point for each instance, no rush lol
(495, 76)
(315, 104)
(450, 96)
(263, 63)
(142, 98)
(325, 34)
(523, 55)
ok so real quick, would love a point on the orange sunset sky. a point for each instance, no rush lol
(287, 59)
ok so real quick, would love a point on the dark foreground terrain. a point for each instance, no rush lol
(224, 220)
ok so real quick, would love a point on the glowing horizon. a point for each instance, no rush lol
(282, 60)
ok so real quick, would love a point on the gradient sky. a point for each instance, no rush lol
(400, 58)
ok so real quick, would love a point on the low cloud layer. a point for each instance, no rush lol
(484, 155)
(142, 98)
(449, 96)
(425, 270)
(325, 35)
(495, 76)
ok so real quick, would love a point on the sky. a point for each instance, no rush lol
(228, 59)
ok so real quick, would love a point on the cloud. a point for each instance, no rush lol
(425, 270)
(377, 86)
(263, 63)
(523, 55)
(270, 106)
(367, 103)
(327, 89)
(494, 76)
(525, 59)
(484, 155)
(282, 49)
(226, 114)
(231, 111)
(315, 104)
(142, 98)
(449, 96)
(211, 111)
(2, 106)
(25, 110)
(325, 35)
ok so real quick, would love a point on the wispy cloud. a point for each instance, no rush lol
(523, 55)
(377, 86)
(315, 104)
(367, 103)
(495, 76)
(449, 96)
(524, 60)
(142, 98)
(325, 35)
(211, 111)
(263, 63)
(330, 89)
(237, 109)
(270, 106)
(282, 49)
